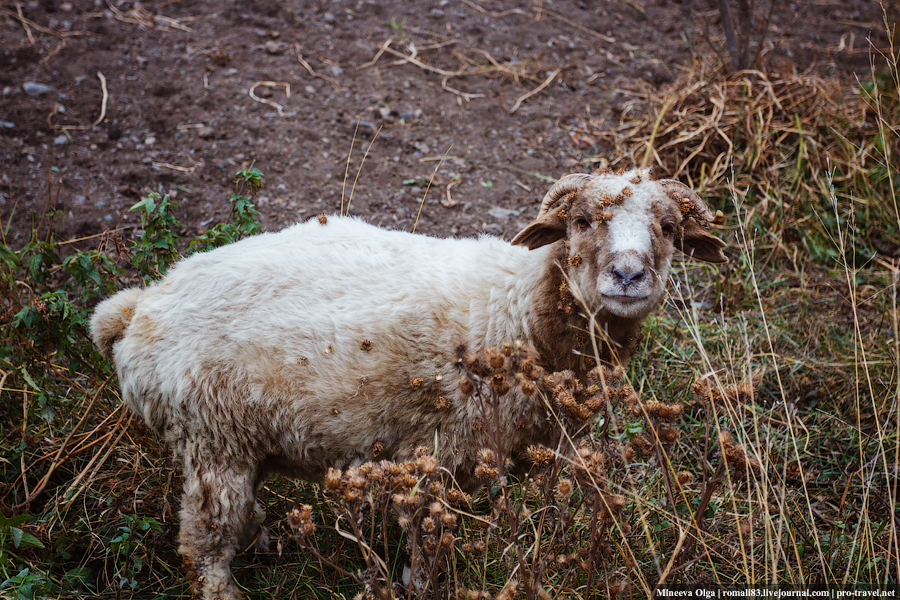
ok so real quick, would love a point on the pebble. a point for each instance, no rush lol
(61, 139)
(205, 132)
(7, 125)
(503, 213)
(273, 47)
(36, 90)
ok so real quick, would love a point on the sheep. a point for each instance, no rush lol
(313, 347)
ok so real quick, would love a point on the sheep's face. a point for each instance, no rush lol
(621, 232)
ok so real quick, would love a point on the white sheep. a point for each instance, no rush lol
(309, 348)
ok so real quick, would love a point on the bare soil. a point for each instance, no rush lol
(493, 99)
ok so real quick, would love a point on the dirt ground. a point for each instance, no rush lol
(101, 102)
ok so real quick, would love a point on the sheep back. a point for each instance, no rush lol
(320, 345)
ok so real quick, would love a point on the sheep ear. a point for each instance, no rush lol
(550, 224)
(545, 229)
(698, 243)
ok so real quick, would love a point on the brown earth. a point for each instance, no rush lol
(413, 88)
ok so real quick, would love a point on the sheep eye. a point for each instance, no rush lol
(583, 224)
(668, 228)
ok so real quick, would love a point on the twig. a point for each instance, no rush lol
(24, 23)
(275, 105)
(428, 187)
(728, 26)
(449, 201)
(347, 171)
(56, 461)
(165, 165)
(547, 82)
(359, 170)
(490, 164)
(124, 429)
(103, 102)
(662, 578)
(411, 59)
(306, 65)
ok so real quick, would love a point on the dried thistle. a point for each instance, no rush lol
(365, 345)
(333, 479)
(707, 390)
(494, 358)
(564, 488)
(735, 455)
(540, 455)
(500, 384)
(377, 447)
(322, 218)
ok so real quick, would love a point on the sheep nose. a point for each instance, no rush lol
(626, 279)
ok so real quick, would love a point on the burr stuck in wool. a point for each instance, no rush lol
(334, 342)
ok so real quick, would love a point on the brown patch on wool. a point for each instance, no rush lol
(555, 335)
(322, 218)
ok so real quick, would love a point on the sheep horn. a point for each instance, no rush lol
(565, 185)
(699, 210)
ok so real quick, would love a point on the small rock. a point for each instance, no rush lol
(273, 47)
(36, 90)
(329, 18)
(149, 140)
(205, 132)
(503, 213)
(336, 71)
(60, 140)
(7, 125)
(310, 89)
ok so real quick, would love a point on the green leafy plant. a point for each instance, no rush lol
(157, 247)
(127, 551)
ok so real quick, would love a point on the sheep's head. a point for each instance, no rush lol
(621, 231)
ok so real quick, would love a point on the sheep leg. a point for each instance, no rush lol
(254, 534)
(218, 514)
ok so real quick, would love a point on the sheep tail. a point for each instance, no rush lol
(111, 318)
